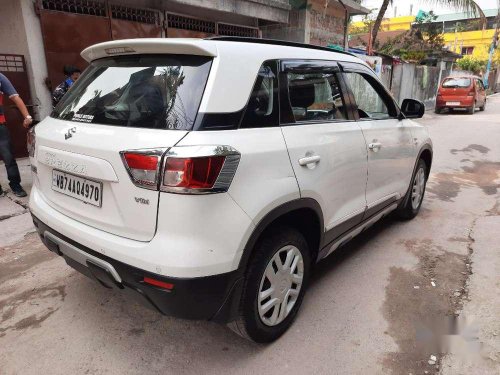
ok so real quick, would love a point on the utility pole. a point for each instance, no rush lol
(494, 44)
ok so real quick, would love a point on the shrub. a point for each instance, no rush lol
(471, 64)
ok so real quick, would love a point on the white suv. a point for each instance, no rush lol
(207, 177)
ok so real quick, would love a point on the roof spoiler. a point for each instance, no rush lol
(150, 46)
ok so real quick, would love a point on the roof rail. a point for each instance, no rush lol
(275, 42)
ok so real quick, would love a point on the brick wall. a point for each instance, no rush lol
(326, 25)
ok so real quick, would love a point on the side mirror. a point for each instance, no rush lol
(412, 108)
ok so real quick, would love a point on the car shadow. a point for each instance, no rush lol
(109, 316)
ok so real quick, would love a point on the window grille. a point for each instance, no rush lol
(187, 23)
(11, 63)
(135, 14)
(89, 7)
(233, 30)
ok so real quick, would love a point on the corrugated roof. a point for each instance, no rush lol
(463, 15)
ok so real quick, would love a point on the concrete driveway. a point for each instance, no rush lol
(374, 306)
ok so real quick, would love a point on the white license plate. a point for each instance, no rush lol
(452, 103)
(87, 191)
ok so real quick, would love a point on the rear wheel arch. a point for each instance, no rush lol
(304, 215)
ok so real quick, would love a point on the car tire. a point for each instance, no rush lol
(437, 111)
(472, 109)
(483, 107)
(254, 322)
(410, 206)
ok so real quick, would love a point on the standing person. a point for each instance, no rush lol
(72, 74)
(6, 88)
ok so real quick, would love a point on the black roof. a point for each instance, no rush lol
(275, 42)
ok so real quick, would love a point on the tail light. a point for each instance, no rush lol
(199, 169)
(471, 93)
(31, 141)
(143, 167)
(184, 170)
(192, 173)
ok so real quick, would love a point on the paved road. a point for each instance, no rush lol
(371, 309)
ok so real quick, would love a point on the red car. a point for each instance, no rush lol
(464, 92)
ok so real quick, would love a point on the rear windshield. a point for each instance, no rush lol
(150, 91)
(457, 82)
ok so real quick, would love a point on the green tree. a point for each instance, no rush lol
(469, 6)
(415, 44)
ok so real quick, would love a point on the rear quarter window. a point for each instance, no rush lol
(148, 91)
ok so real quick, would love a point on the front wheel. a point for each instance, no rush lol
(413, 199)
(274, 286)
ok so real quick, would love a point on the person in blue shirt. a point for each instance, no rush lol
(72, 74)
(7, 89)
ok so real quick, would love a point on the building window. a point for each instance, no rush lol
(467, 50)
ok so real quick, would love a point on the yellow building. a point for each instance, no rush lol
(462, 34)
(390, 24)
(476, 43)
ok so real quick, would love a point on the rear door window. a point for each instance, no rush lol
(143, 91)
(315, 97)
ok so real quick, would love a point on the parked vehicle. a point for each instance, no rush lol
(207, 177)
(464, 92)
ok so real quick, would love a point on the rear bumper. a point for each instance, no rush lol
(463, 101)
(204, 298)
(205, 236)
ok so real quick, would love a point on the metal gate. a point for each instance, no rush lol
(127, 22)
(69, 26)
(14, 68)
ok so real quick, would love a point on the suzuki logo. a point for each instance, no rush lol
(69, 133)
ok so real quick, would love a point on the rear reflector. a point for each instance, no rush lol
(142, 167)
(158, 283)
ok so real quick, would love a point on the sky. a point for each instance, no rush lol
(402, 7)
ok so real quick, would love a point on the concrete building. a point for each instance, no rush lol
(320, 22)
(39, 37)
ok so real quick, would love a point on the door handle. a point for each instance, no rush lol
(314, 159)
(375, 146)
